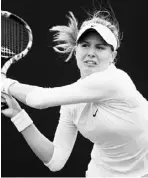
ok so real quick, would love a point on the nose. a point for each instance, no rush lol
(91, 53)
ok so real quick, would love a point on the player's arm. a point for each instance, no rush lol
(53, 154)
(64, 140)
(41, 146)
(92, 88)
(87, 90)
(15, 89)
(20, 91)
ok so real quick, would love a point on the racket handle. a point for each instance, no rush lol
(4, 106)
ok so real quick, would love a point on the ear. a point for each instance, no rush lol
(74, 52)
(114, 54)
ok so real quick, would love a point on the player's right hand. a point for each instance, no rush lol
(10, 107)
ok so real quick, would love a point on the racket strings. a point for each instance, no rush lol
(14, 37)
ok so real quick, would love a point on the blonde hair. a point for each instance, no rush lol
(66, 36)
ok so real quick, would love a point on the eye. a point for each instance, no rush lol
(84, 45)
(100, 47)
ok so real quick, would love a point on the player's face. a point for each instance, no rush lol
(93, 54)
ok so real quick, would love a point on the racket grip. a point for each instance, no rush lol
(4, 106)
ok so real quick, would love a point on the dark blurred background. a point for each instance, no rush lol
(44, 67)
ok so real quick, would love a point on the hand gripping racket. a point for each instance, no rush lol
(16, 39)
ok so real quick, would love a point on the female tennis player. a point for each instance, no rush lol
(103, 105)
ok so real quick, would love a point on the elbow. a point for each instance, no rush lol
(58, 159)
(56, 166)
(36, 102)
(37, 98)
(38, 105)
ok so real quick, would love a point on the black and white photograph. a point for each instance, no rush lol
(74, 88)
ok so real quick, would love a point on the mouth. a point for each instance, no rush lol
(90, 63)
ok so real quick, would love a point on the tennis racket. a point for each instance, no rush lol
(16, 39)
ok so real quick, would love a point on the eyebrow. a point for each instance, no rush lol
(96, 44)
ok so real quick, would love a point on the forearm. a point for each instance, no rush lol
(20, 91)
(40, 145)
(37, 96)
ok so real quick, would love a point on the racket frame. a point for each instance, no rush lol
(16, 57)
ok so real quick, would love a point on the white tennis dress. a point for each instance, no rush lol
(116, 121)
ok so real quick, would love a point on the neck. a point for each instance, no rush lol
(86, 72)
